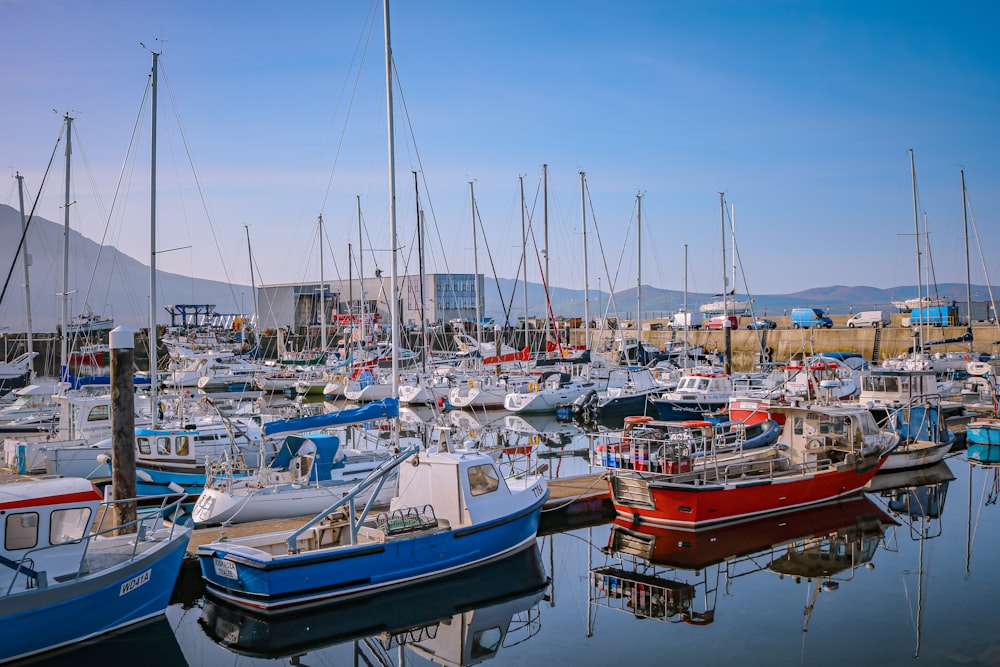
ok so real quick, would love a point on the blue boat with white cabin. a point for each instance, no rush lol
(453, 511)
(66, 577)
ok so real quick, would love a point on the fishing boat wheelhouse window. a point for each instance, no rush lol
(797, 422)
(69, 524)
(143, 444)
(483, 479)
(21, 531)
(162, 445)
(182, 445)
(99, 413)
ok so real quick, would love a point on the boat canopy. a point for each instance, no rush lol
(386, 408)
(321, 446)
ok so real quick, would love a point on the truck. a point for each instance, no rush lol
(806, 318)
(938, 316)
(685, 320)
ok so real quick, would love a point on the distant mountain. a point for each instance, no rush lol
(119, 286)
(101, 278)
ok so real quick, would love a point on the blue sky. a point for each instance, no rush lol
(802, 113)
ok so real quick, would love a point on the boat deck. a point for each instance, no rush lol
(581, 494)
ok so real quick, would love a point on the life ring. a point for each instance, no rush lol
(532, 386)
(338, 378)
(471, 384)
(534, 440)
(638, 419)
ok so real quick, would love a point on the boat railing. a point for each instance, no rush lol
(376, 478)
(148, 520)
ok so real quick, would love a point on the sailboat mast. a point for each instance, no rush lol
(322, 287)
(420, 266)
(638, 291)
(26, 258)
(916, 235)
(968, 276)
(64, 342)
(394, 306)
(545, 250)
(361, 274)
(687, 323)
(524, 260)
(153, 365)
(725, 279)
(475, 266)
(586, 270)
(253, 282)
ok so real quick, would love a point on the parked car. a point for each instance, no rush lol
(718, 322)
(762, 323)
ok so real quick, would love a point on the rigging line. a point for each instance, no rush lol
(405, 112)
(31, 216)
(600, 246)
(982, 259)
(758, 332)
(197, 179)
(489, 254)
(354, 90)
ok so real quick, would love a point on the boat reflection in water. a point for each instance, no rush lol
(152, 642)
(674, 575)
(461, 620)
(917, 499)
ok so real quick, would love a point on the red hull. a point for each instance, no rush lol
(695, 550)
(692, 506)
(753, 410)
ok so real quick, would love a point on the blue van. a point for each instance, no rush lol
(810, 317)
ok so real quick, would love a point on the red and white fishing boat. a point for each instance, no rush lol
(823, 452)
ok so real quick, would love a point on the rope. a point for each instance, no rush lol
(573, 499)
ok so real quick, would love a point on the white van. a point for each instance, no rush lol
(869, 318)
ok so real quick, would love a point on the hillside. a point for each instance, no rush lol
(112, 283)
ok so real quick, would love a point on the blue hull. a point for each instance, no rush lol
(983, 444)
(627, 406)
(159, 482)
(520, 576)
(314, 577)
(40, 620)
(674, 411)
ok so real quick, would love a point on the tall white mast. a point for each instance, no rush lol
(638, 291)
(586, 270)
(26, 258)
(919, 347)
(475, 267)
(322, 288)
(394, 306)
(152, 242)
(361, 274)
(524, 261)
(64, 342)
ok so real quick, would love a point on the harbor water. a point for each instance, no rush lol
(902, 575)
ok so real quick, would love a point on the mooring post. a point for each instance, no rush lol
(122, 344)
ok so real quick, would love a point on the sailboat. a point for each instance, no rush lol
(453, 511)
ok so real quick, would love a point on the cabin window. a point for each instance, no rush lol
(21, 531)
(99, 413)
(67, 525)
(163, 446)
(483, 479)
(182, 445)
(143, 444)
(486, 642)
(797, 425)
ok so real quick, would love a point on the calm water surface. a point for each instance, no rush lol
(896, 577)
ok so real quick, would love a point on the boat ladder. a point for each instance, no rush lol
(630, 491)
